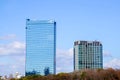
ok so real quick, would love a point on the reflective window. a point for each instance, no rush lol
(40, 47)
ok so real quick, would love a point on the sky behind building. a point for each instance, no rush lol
(76, 20)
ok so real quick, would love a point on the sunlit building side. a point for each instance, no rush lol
(40, 47)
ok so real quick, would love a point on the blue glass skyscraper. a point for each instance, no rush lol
(40, 47)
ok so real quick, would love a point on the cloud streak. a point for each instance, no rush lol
(8, 37)
(64, 60)
(107, 54)
(14, 48)
(13, 58)
(114, 63)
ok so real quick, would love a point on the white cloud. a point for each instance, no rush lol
(107, 54)
(15, 51)
(14, 48)
(7, 69)
(12, 57)
(114, 63)
(64, 60)
(8, 37)
(61, 53)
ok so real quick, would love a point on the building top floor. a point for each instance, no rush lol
(83, 42)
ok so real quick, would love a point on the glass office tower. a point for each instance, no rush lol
(88, 55)
(40, 47)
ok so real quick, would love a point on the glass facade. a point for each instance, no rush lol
(40, 47)
(88, 55)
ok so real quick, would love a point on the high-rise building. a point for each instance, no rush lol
(40, 47)
(88, 55)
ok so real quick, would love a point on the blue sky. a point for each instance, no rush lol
(76, 20)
